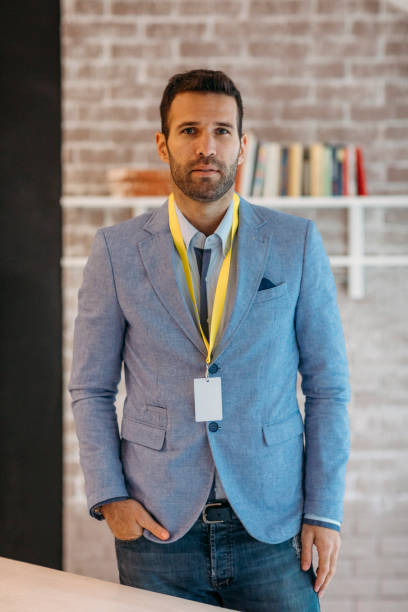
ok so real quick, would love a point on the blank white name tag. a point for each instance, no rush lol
(208, 399)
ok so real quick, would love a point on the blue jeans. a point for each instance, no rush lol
(222, 565)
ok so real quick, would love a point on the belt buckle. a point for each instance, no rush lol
(204, 515)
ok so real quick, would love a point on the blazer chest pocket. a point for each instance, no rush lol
(142, 433)
(271, 294)
(274, 433)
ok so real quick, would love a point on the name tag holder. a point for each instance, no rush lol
(208, 399)
(207, 391)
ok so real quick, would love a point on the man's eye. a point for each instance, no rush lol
(188, 130)
(222, 131)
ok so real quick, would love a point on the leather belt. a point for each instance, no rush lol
(217, 512)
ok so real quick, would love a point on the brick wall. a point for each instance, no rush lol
(308, 70)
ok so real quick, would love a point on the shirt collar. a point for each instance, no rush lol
(223, 231)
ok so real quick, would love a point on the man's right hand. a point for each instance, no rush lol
(127, 518)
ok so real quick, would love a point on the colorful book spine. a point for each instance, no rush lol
(327, 170)
(319, 169)
(352, 175)
(340, 164)
(316, 169)
(306, 172)
(259, 176)
(337, 167)
(360, 173)
(346, 170)
(283, 180)
(272, 167)
(295, 157)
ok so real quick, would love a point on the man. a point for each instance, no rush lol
(213, 305)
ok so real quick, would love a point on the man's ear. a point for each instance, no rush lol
(162, 147)
(242, 149)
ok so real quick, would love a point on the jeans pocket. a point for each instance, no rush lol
(130, 541)
(297, 545)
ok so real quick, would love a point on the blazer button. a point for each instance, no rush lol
(213, 426)
(213, 368)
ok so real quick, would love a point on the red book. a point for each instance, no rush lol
(360, 172)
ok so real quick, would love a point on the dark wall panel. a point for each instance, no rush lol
(30, 187)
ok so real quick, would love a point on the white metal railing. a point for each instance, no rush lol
(355, 260)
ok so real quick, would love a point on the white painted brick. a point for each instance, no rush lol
(354, 585)
(386, 524)
(383, 605)
(378, 566)
(395, 546)
(395, 587)
(358, 547)
(328, 604)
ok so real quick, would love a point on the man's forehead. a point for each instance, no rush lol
(199, 107)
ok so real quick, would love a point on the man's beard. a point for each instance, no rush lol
(206, 189)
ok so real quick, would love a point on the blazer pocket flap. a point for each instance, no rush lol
(146, 435)
(272, 293)
(147, 413)
(283, 430)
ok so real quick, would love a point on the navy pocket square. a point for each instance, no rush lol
(265, 284)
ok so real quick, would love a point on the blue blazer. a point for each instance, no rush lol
(285, 319)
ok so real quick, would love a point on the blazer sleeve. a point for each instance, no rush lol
(96, 369)
(325, 383)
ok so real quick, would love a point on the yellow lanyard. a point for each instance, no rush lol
(222, 282)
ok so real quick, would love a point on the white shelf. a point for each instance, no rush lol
(355, 260)
(340, 261)
(399, 201)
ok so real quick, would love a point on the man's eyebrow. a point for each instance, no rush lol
(225, 124)
(193, 123)
(188, 123)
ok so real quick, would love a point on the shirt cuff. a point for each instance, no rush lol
(321, 521)
(95, 512)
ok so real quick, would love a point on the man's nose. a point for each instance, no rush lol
(205, 146)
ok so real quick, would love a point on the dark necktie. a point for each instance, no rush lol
(203, 261)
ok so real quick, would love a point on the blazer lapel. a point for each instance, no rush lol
(252, 244)
(157, 253)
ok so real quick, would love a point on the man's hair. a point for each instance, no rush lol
(206, 81)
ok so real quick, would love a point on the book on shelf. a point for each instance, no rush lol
(360, 172)
(273, 169)
(260, 168)
(316, 169)
(295, 159)
(283, 172)
(271, 179)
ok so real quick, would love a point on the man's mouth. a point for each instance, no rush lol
(205, 170)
